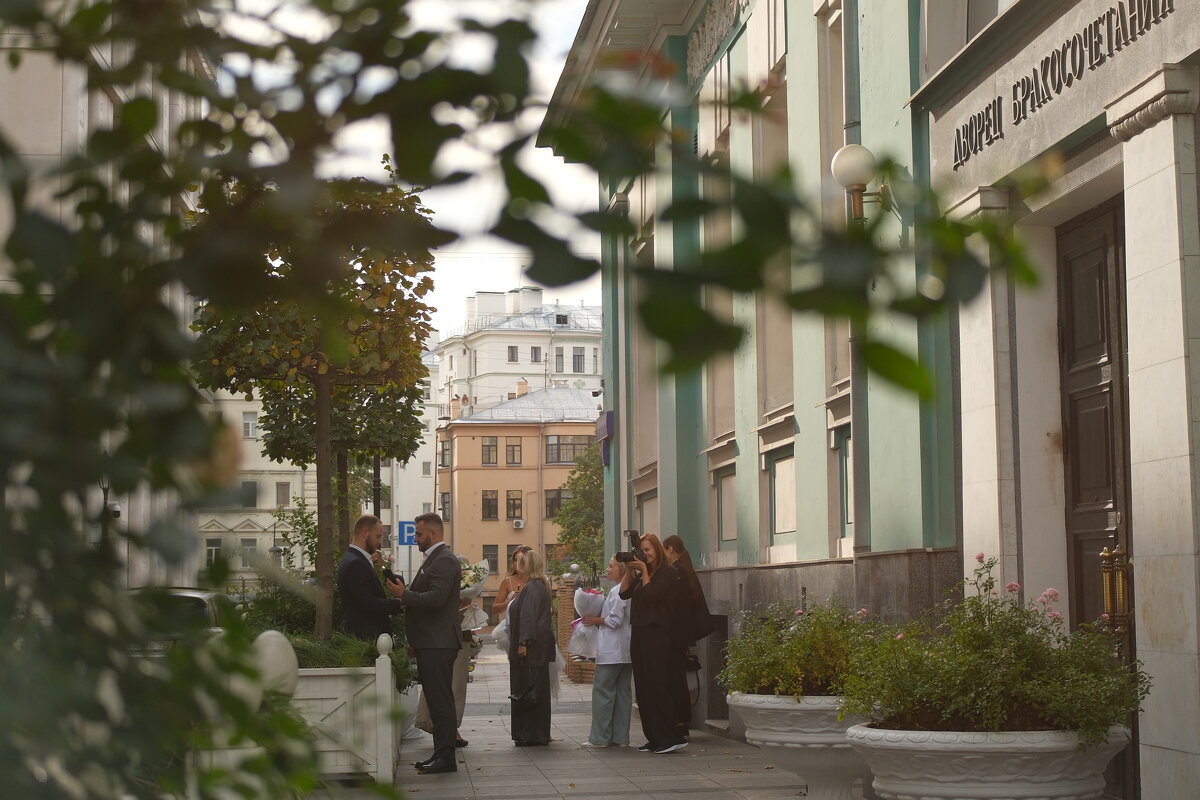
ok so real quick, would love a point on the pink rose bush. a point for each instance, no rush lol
(984, 661)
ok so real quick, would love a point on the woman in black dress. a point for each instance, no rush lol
(652, 584)
(531, 650)
(691, 624)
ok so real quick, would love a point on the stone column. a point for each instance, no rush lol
(1155, 120)
(986, 385)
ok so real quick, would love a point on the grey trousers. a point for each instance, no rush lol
(612, 704)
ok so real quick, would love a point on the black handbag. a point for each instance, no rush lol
(527, 697)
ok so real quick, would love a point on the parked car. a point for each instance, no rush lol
(174, 614)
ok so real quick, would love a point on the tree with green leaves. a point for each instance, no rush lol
(279, 352)
(365, 421)
(581, 519)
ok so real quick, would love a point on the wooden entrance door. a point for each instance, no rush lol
(1091, 291)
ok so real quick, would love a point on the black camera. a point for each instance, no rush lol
(635, 549)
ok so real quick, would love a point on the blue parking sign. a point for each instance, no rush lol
(408, 532)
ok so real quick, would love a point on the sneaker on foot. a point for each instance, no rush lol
(671, 748)
(646, 748)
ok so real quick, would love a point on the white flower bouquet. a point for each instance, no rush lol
(472, 577)
(588, 603)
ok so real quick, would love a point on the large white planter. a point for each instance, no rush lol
(804, 736)
(952, 765)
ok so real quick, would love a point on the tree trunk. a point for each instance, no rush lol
(324, 457)
(343, 497)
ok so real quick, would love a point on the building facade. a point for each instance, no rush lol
(47, 115)
(510, 337)
(1064, 419)
(500, 475)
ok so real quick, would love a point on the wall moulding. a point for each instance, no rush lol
(710, 33)
(1169, 91)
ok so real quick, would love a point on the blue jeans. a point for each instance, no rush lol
(612, 704)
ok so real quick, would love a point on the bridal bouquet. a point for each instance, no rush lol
(472, 577)
(588, 603)
(469, 588)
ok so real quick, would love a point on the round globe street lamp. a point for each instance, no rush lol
(853, 167)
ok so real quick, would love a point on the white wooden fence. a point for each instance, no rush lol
(355, 713)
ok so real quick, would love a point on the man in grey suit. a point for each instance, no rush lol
(435, 636)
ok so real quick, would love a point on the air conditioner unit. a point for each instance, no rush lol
(518, 523)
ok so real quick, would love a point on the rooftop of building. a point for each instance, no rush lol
(522, 310)
(545, 405)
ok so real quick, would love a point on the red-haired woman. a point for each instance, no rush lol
(651, 585)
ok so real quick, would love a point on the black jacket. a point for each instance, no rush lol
(432, 601)
(366, 606)
(654, 603)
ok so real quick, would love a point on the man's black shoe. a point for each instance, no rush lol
(425, 763)
(438, 765)
(460, 742)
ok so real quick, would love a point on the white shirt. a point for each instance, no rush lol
(612, 640)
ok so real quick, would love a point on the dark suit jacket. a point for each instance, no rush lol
(366, 606)
(432, 600)
(529, 624)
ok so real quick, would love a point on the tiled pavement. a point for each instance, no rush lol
(709, 768)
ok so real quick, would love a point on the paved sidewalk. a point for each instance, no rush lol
(710, 767)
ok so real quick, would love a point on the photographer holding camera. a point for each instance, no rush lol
(652, 585)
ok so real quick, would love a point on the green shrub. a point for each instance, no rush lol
(789, 651)
(348, 651)
(989, 662)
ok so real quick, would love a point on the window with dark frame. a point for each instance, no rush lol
(558, 359)
(491, 554)
(249, 494)
(577, 359)
(426, 468)
(212, 551)
(561, 319)
(491, 504)
(512, 503)
(512, 450)
(535, 355)
(445, 502)
(566, 449)
(283, 494)
(596, 360)
(554, 500)
(490, 450)
(512, 354)
(444, 453)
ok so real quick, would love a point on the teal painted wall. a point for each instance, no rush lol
(808, 331)
(897, 506)
(750, 524)
(682, 491)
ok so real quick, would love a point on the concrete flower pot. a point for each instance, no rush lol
(953, 765)
(804, 736)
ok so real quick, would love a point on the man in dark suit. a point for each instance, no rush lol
(366, 607)
(435, 635)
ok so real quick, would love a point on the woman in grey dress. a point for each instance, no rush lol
(531, 651)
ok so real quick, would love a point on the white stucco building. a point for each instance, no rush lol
(514, 343)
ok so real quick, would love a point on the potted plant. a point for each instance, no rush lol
(992, 697)
(784, 670)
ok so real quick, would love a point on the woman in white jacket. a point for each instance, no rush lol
(612, 699)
